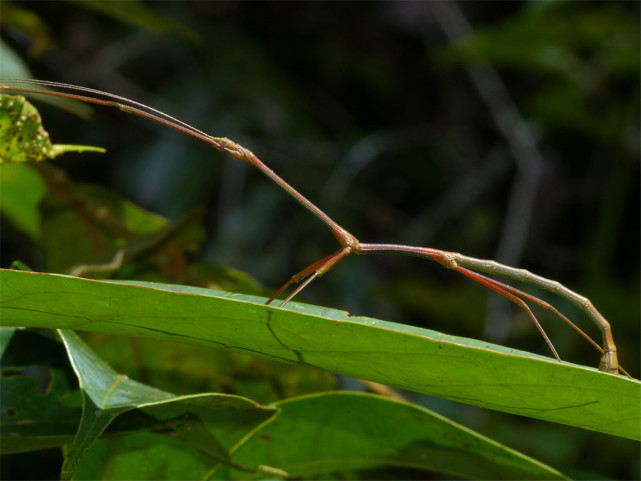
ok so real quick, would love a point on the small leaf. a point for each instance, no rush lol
(22, 136)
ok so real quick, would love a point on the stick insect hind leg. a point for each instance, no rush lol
(517, 296)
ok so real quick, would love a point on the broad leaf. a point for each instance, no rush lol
(213, 423)
(143, 456)
(458, 369)
(349, 431)
(342, 431)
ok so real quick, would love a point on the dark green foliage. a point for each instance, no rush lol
(369, 111)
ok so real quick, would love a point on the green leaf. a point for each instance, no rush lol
(350, 431)
(85, 226)
(459, 369)
(13, 68)
(20, 196)
(22, 136)
(186, 368)
(35, 393)
(213, 423)
(555, 40)
(143, 456)
(11, 65)
(342, 431)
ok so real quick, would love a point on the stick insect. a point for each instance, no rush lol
(475, 269)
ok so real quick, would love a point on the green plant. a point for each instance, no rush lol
(234, 437)
(376, 113)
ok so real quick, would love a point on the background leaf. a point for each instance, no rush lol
(143, 456)
(37, 387)
(338, 432)
(22, 191)
(313, 435)
(211, 422)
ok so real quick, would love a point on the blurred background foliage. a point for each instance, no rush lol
(507, 131)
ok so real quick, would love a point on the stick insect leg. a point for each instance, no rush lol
(499, 287)
(310, 272)
(608, 362)
(545, 305)
(300, 288)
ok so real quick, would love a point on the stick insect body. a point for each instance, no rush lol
(465, 265)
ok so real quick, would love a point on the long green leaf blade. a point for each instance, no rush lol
(458, 369)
